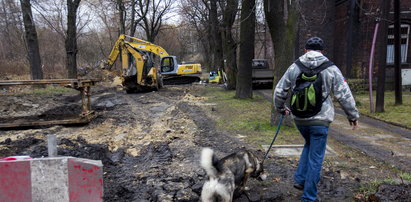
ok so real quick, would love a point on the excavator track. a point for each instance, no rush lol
(179, 80)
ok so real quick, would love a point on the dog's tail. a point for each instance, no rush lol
(208, 159)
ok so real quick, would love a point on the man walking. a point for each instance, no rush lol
(310, 81)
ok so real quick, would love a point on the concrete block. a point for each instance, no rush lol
(15, 182)
(293, 150)
(51, 179)
(85, 180)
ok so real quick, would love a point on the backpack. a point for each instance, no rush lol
(306, 98)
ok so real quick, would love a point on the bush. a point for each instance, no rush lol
(10, 70)
(359, 85)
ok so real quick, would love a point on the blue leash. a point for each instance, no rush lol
(275, 136)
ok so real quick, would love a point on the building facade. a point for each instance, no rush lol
(347, 27)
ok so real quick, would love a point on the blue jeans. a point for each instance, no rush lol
(311, 160)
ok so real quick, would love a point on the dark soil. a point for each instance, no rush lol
(389, 192)
(150, 144)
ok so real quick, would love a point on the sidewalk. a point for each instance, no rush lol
(377, 139)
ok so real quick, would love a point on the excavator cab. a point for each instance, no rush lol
(168, 65)
(174, 73)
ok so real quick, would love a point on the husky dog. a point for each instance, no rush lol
(228, 175)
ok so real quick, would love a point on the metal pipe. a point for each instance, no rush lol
(374, 39)
(52, 145)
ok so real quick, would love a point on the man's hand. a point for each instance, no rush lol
(354, 124)
(286, 111)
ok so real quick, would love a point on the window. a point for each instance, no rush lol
(167, 64)
(405, 36)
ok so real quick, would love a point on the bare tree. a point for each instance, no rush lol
(217, 44)
(32, 41)
(196, 14)
(106, 26)
(247, 34)
(71, 40)
(382, 55)
(213, 20)
(282, 20)
(11, 42)
(122, 16)
(67, 19)
(229, 10)
(152, 20)
(143, 6)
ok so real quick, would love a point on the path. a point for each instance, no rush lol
(388, 143)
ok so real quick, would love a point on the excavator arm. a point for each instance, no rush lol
(135, 43)
(147, 46)
(135, 63)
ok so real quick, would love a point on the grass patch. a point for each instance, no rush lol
(405, 176)
(393, 113)
(372, 186)
(249, 117)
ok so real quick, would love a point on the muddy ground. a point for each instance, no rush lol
(150, 143)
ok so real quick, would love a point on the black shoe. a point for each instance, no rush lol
(299, 186)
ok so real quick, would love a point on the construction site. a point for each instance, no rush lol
(119, 100)
(149, 145)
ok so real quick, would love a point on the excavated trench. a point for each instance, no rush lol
(149, 144)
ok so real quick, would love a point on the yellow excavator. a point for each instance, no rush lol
(137, 65)
(174, 73)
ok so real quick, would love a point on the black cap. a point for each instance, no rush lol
(314, 43)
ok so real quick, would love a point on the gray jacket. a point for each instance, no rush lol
(333, 81)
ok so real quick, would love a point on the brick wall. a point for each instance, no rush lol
(329, 19)
(365, 20)
(317, 19)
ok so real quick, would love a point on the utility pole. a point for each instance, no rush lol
(397, 53)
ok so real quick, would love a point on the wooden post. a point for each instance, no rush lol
(85, 100)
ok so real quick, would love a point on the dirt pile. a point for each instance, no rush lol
(390, 192)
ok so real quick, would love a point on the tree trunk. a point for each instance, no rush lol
(217, 58)
(32, 41)
(229, 45)
(133, 22)
(71, 39)
(121, 14)
(382, 55)
(397, 53)
(350, 33)
(247, 34)
(282, 20)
